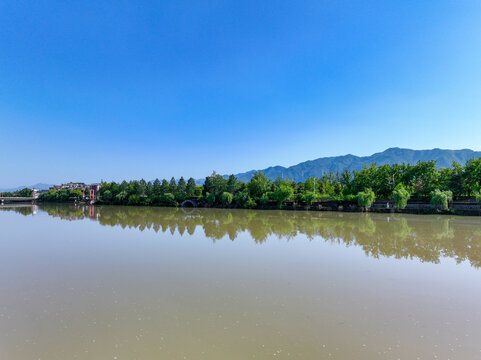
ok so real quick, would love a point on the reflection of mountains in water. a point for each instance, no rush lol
(427, 238)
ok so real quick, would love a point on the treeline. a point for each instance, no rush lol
(399, 182)
(62, 195)
(20, 193)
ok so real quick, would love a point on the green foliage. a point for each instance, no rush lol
(401, 181)
(472, 175)
(283, 192)
(210, 198)
(478, 197)
(191, 188)
(181, 191)
(24, 193)
(172, 186)
(215, 184)
(309, 197)
(63, 195)
(226, 198)
(250, 204)
(241, 198)
(134, 200)
(366, 198)
(350, 198)
(258, 185)
(441, 199)
(400, 196)
(168, 199)
(121, 197)
(233, 184)
(264, 200)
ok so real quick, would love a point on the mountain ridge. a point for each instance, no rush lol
(38, 186)
(393, 155)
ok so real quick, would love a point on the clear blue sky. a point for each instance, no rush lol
(109, 90)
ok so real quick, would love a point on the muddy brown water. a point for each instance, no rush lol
(159, 283)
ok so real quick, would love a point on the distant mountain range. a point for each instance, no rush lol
(317, 167)
(302, 171)
(38, 186)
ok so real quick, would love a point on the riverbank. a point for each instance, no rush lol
(461, 207)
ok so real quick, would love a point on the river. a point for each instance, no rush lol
(109, 282)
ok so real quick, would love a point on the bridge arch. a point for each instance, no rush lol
(189, 203)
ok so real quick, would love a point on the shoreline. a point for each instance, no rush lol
(461, 209)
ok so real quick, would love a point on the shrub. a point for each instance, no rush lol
(366, 198)
(210, 198)
(226, 198)
(282, 193)
(121, 197)
(265, 198)
(241, 198)
(401, 196)
(134, 200)
(107, 196)
(250, 204)
(478, 197)
(309, 197)
(350, 198)
(168, 199)
(441, 199)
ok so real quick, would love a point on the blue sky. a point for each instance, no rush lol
(93, 90)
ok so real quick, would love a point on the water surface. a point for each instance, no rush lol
(158, 283)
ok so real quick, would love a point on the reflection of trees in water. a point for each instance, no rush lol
(427, 238)
(20, 209)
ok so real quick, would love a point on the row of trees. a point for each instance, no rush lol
(63, 195)
(20, 193)
(398, 182)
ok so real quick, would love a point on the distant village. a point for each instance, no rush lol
(76, 185)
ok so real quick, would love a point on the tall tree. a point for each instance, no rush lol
(258, 185)
(191, 187)
(172, 186)
(156, 188)
(164, 188)
(181, 188)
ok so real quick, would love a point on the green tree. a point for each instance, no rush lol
(282, 193)
(258, 185)
(472, 175)
(309, 197)
(191, 188)
(165, 187)
(242, 198)
(401, 196)
(215, 184)
(210, 198)
(172, 186)
(24, 193)
(226, 198)
(366, 198)
(181, 192)
(168, 199)
(441, 199)
(232, 184)
(156, 188)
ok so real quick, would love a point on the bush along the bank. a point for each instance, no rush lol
(366, 198)
(400, 196)
(423, 182)
(440, 199)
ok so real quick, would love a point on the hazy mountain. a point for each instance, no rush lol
(302, 171)
(39, 186)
